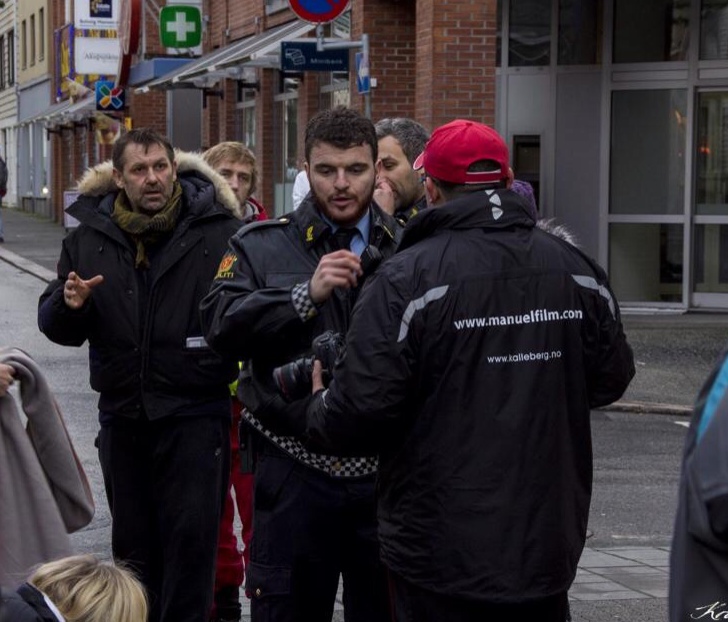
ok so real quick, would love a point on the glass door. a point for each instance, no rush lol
(710, 214)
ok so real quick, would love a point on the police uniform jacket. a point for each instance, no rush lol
(473, 359)
(146, 347)
(258, 309)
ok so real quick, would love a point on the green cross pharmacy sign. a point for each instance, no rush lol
(180, 26)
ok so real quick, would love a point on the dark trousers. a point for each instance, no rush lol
(165, 483)
(413, 604)
(308, 529)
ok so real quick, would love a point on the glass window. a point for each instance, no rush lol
(711, 186)
(23, 44)
(647, 159)
(286, 167)
(646, 262)
(651, 31)
(336, 92)
(273, 6)
(32, 39)
(41, 34)
(580, 32)
(714, 30)
(11, 57)
(529, 39)
(245, 118)
(527, 161)
(710, 259)
(290, 148)
(3, 64)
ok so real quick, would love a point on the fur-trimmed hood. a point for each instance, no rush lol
(560, 231)
(99, 180)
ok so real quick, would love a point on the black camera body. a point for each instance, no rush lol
(293, 380)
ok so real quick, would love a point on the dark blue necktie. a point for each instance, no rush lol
(343, 237)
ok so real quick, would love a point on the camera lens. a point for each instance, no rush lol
(293, 379)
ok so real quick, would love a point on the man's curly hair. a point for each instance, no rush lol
(341, 127)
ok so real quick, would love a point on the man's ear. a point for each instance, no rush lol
(432, 192)
(118, 178)
(174, 170)
(510, 178)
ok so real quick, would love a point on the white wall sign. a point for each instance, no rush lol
(96, 14)
(96, 55)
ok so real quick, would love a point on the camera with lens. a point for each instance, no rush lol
(293, 380)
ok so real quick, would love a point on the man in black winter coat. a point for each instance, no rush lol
(283, 283)
(130, 280)
(474, 356)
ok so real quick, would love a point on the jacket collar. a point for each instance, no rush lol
(40, 603)
(98, 181)
(491, 209)
(315, 230)
(404, 215)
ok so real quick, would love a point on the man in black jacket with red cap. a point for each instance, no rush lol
(474, 356)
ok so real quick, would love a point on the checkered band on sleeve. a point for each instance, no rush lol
(305, 307)
(333, 466)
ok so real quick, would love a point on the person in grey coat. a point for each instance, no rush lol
(699, 553)
(44, 492)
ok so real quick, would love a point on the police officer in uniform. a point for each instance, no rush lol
(282, 283)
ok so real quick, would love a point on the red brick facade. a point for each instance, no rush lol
(432, 60)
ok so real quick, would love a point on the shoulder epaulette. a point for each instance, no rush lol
(261, 224)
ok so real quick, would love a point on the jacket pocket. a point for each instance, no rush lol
(269, 587)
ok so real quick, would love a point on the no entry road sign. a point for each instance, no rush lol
(318, 11)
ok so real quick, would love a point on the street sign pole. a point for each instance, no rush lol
(322, 44)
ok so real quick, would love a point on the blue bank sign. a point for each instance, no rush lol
(303, 56)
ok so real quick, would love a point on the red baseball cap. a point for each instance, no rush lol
(453, 147)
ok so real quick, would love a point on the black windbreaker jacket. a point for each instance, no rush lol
(474, 356)
(146, 346)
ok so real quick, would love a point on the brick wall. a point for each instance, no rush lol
(455, 64)
(264, 139)
(392, 47)
(433, 60)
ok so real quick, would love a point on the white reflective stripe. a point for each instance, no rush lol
(417, 305)
(53, 608)
(591, 283)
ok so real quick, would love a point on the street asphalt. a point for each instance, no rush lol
(673, 353)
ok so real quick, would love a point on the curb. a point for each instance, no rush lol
(651, 408)
(27, 266)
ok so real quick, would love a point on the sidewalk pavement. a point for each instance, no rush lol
(673, 352)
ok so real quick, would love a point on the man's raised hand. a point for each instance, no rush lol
(77, 290)
(341, 268)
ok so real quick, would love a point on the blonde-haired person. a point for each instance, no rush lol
(80, 588)
(238, 166)
(235, 163)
